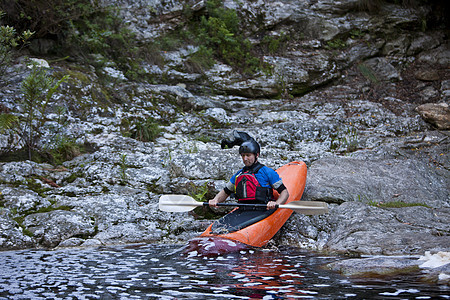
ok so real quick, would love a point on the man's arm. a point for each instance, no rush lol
(281, 199)
(220, 197)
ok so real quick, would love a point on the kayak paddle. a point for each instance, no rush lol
(183, 203)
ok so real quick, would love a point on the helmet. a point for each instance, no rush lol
(250, 146)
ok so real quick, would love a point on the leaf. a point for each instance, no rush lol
(7, 121)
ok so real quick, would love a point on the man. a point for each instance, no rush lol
(255, 182)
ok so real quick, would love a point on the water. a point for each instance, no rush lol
(162, 272)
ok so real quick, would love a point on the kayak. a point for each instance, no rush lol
(256, 227)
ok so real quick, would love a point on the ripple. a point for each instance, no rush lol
(163, 272)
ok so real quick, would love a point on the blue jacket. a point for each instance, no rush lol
(266, 177)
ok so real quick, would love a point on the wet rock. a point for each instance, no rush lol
(437, 114)
(358, 228)
(129, 233)
(71, 242)
(433, 268)
(376, 266)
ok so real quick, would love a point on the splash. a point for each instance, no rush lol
(213, 246)
(435, 260)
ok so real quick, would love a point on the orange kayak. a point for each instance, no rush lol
(258, 234)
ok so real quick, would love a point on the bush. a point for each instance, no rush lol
(47, 18)
(78, 27)
(145, 131)
(38, 88)
(9, 40)
(220, 31)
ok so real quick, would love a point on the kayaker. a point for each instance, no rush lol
(255, 182)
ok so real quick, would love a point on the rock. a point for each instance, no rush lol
(376, 181)
(438, 114)
(91, 243)
(358, 228)
(129, 233)
(50, 228)
(433, 267)
(428, 93)
(217, 115)
(427, 75)
(438, 56)
(21, 200)
(445, 91)
(71, 242)
(376, 266)
(424, 41)
(12, 236)
(382, 69)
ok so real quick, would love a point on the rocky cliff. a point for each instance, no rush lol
(361, 95)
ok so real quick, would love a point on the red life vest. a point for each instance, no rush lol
(248, 188)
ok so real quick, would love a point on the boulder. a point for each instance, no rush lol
(437, 114)
(337, 180)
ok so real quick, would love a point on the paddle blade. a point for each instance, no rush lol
(177, 203)
(307, 207)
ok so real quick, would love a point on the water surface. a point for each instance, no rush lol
(156, 271)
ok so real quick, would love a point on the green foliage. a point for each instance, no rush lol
(9, 40)
(145, 131)
(48, 18)
(218, 36)
(123, 167)
(345, 141)
(396, 204)
(78, 28)
(102, 31)
(38, 88)
(201, 60)
(356, 33)
(272, 44)
(367, 73)
(63, 149)
(7, 121)
(199, 193)
(336, 44)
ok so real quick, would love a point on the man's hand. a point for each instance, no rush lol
(271, 205)
(213, 202)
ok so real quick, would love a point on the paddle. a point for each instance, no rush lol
(183, 203)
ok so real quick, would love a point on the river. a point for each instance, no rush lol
(155, 271)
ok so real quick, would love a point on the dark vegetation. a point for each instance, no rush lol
(90, 34)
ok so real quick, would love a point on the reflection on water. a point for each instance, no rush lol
(162, 272)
